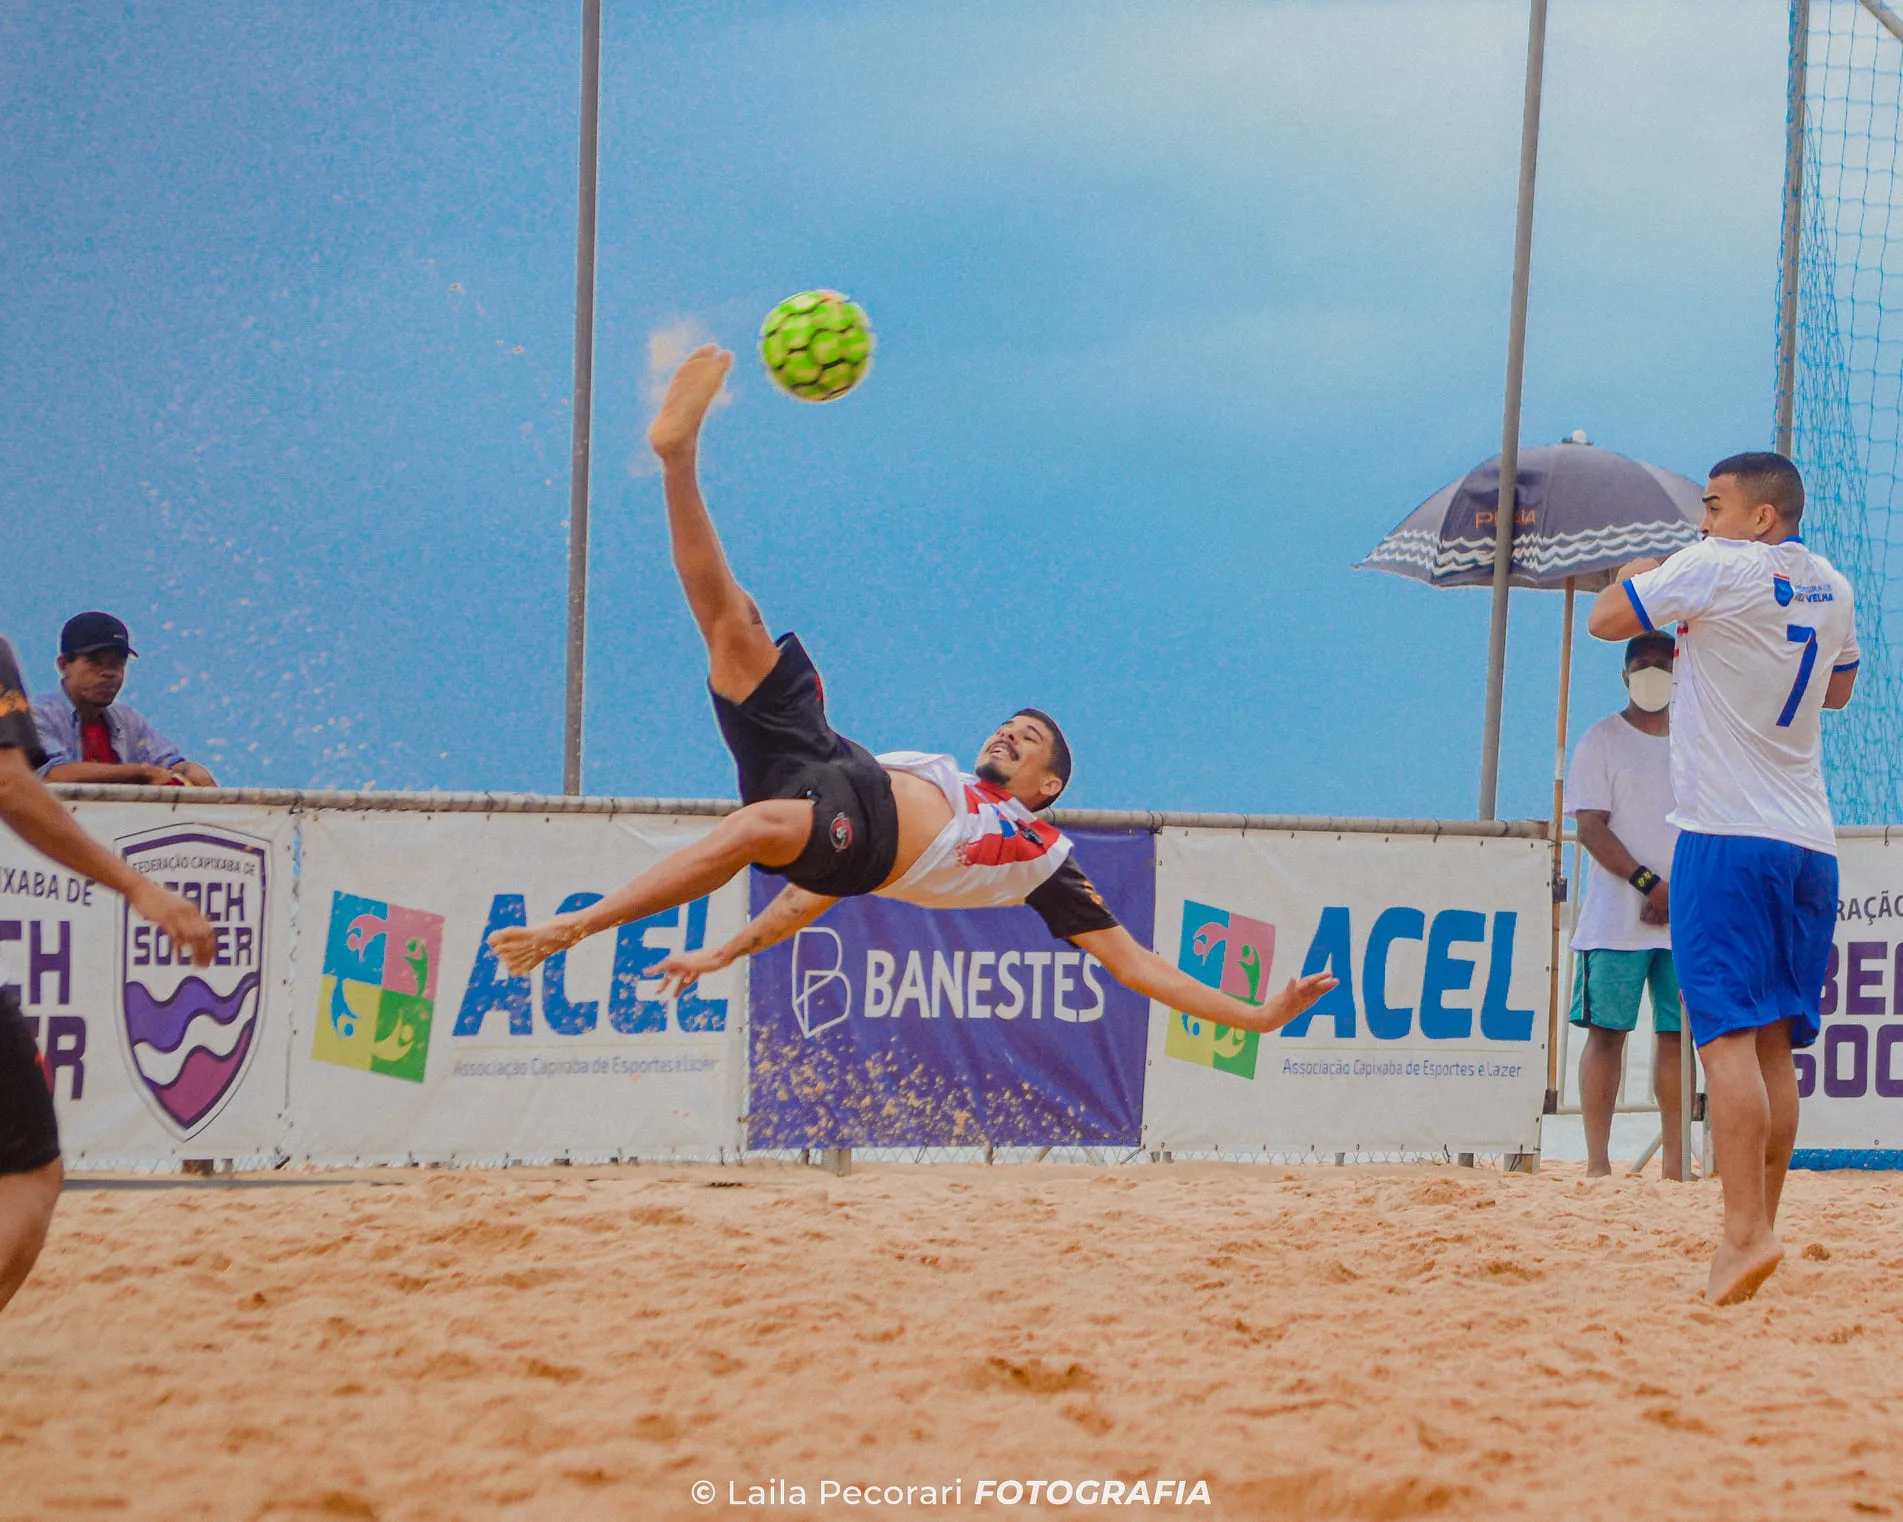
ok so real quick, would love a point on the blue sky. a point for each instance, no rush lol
(1179, 308)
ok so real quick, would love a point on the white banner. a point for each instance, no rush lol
(354, 1016)
(1437, 1035)
(1851, 1082)
(152, 1060)
(409, 1043)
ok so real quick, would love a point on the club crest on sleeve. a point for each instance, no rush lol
(841, 832)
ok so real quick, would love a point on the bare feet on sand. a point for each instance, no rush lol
(692, 391)
(1737, 1273)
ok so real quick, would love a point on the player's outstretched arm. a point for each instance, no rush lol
(38, 818)
(793, 910)
(1138, 968)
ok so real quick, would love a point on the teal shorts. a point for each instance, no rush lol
(1606, 987)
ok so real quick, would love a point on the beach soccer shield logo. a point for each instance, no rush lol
(191, 1031)
(377, 998)
(1233, 954)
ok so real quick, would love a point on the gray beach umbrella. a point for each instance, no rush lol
(1582, 513)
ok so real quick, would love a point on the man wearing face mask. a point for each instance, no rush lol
(1618, 792)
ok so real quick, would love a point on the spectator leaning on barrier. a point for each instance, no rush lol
(30, 1170)
(1619, 791)
(87, 733)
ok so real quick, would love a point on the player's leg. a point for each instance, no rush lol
(740, 652)
(1810, 923)
(1740, 1120)
(1780, 1091)
(29, 1148)
(1666, 1089)
(1731, 909)
(1668, 1018)
(1601, 1067)
(1606, 989)
(769, 834)
(26, 1210)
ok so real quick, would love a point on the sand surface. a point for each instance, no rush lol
(1311, 1342)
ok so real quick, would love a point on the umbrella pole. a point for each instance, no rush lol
(1508, 501)
(1559, 847)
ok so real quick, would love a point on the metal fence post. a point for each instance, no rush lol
(1508, 501)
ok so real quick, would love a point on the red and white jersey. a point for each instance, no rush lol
(993, 852)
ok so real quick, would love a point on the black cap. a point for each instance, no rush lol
(86, 632)
(1643, 644)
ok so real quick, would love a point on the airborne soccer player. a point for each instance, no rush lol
(837, 821)
(1767, 640)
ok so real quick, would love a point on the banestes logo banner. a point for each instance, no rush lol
(890, 1025)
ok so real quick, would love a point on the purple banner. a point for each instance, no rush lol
(887, 1025)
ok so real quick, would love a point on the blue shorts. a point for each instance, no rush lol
(1751, 927)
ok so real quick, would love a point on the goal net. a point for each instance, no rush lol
(1847, 379)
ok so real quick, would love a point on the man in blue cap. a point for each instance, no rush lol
(87, 733)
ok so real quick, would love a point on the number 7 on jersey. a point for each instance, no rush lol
(1799, 634)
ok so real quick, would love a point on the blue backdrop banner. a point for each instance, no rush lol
(887, 1025)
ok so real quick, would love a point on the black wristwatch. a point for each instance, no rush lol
(1644, 879)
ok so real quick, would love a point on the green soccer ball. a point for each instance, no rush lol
(817, 345)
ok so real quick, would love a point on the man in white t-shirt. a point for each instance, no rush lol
(1766, 641)
(837, 821)
(1619, 792)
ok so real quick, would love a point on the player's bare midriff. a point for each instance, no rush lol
(923, 812)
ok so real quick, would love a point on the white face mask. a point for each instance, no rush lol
(1650, 687)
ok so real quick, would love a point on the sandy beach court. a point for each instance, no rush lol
(1309, 1342)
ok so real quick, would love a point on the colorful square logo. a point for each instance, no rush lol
(378, 993)
(1232, 953)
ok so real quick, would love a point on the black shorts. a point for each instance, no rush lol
(29, 1133)
(784, 748)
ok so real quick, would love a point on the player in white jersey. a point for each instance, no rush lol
(836, 821)
(1766, 641)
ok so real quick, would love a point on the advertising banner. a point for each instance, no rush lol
(887, 1025)
(1436, 1035)
(154, 1060)
(409, 1041)
(1850, 1083)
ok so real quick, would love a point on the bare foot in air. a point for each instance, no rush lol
(520, 949)
(1738, 1273)
(692, 391)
